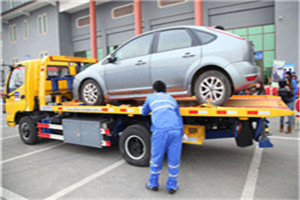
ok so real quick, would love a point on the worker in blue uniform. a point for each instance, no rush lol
(167, 132)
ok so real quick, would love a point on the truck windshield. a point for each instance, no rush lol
(16, 79)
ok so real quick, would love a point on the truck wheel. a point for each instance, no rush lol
(214, 85)
(91, 93)
(28, 130)
(135, 145)
(245, 134)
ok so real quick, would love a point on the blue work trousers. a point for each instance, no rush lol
(290, 118)
(169, 142)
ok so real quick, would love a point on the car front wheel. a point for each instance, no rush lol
(212, 86)
(28, 130)
(91, 93)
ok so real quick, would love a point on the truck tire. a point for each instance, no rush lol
(135, 145)
(91, 93)
(28, 130)
(212, 84)
(245, 134)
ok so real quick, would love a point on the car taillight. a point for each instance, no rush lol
(227, 33)
(251, 78)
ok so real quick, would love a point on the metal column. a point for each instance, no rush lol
(198, 13)
(137, 17)
(93, 29)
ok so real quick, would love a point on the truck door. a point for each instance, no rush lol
(15, 93)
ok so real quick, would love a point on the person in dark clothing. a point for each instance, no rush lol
(294, 76)
(258, 89)
(286, 92)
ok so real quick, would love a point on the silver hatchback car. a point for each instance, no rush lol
(202, 61)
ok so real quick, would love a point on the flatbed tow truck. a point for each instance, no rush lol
(38, 97)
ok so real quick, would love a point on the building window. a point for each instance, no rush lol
(43, 54)
(42, 24)
(11, 4)
(13, 33)
(100, 54)
(122, 11)
(25, 29)
(166, 3)
(263, 38)
(82, 54)
(110, 49)
(83, 21)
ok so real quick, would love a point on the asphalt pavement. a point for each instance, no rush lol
(218, 169)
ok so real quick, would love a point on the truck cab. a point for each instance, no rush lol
(35, 83)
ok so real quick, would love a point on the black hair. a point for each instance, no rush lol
(288, 73)
(220, 27)
(159, 86)
(282, 84)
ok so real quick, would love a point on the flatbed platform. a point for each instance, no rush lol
(241, 106)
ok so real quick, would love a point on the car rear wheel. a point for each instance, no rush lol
(91, 93)
(212, 86)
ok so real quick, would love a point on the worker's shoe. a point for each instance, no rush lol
(281, 128)
(289, 130)
(172, 191)
(155, 189)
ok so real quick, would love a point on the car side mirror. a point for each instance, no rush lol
(111, 59)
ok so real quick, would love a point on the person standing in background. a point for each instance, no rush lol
(286, 92)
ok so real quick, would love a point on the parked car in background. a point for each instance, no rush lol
(202, 61)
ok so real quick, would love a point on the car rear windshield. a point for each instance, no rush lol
(204, 37)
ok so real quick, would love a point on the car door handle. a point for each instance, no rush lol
(140, 62)
(188, 55)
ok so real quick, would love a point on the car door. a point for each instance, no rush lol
(130, 72)
(176, 51)
(15, 93)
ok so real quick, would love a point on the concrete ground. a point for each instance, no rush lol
(216, 170)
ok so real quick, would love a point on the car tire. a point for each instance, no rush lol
(91, 93)
(135, 145)
(28, 130)
(212, 84)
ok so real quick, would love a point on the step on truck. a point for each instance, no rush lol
(38, 98)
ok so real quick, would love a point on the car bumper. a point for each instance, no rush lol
(240, 72)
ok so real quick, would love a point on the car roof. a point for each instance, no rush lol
(174, 27)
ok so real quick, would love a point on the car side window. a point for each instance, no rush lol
(174, 39)
(16, 79)
(138, 47)
(205, 38)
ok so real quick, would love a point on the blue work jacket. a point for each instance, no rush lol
(295, 86)
(165, 112)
